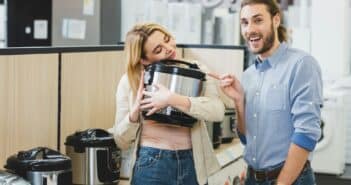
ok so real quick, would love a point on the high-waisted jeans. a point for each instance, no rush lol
(164, 167)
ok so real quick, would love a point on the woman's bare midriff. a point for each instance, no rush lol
(165, 136)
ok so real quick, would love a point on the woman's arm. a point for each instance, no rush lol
(207, 107)
(125, 128)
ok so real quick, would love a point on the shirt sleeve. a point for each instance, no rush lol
(208, 107)
(123, 130)
(307, 97)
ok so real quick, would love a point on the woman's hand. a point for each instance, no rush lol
(134, 113)
(230, 86)
(154, 101)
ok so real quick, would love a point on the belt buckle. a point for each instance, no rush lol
(257, 178)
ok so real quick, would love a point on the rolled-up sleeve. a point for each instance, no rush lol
(208, 107)
(307, 98)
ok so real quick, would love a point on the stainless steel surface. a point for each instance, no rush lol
(176, 83)
(179, 84)
(11, 179)
(84, 165)
(50, 177)
(91, 162)
(78, 165)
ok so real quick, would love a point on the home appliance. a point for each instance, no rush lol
(215, 133)
(180, 77)
(343, 86)
(29, 23)
(95, 157)
(41, 166)
(229, 126)
(332, 143)
(11, 179)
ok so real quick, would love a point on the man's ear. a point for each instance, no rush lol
(276, 20)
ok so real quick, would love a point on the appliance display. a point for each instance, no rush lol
(41, 166)
(180, 77)
(95, 157)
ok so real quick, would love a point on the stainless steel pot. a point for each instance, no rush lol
(180, 77)
(41, 166)
(95, 157)
(11, 179)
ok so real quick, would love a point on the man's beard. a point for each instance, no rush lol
(267, 42)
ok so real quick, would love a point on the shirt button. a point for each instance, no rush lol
(255, 115)
(254, 159)
(257, 93)
(254, 137)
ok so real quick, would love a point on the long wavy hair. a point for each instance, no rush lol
(273, 9)
(134, 50)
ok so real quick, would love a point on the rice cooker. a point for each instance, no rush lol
(95, 157)
(178, 76)
(41, 166)
(11, 179)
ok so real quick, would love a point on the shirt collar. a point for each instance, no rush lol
(272, 60)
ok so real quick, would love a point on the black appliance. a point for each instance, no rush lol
(21, 18)
(180, 77)
(229, 126)
(41, 166)
(95, 157)
(215, 133)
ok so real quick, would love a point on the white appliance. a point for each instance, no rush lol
(344, 85)
(329, 154)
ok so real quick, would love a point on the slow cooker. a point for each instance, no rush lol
(180, 77)
(95, 157)
(41, 166)
(11, 179)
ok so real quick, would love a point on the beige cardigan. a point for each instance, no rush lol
(208, 107)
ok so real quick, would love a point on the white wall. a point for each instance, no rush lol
(330, 37)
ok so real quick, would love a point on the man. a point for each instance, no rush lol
(279, 104)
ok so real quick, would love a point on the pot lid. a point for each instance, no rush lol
(90, 138)
(177, 67)
(38, 159)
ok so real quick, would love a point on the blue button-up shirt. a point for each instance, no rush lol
(283, 95)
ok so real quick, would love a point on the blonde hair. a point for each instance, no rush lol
(134, 50)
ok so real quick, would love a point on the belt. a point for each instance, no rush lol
(261, 176)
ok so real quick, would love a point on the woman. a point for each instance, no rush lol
(163, 154)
